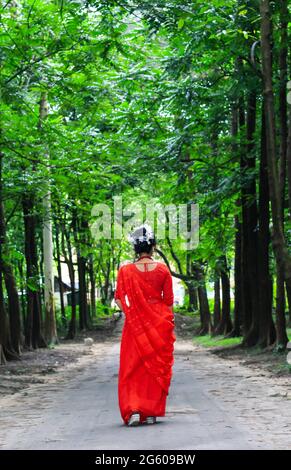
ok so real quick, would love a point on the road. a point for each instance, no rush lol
(211, 405)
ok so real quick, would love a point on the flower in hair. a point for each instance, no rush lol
(143, 233)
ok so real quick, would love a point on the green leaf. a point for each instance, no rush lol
(181, 23)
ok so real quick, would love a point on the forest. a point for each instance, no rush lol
(175, 101)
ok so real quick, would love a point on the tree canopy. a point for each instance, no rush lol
(171, 101)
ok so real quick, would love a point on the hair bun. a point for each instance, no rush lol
(141, 234)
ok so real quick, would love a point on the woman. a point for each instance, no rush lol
(145, 294)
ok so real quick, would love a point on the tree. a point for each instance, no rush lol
(283, 259)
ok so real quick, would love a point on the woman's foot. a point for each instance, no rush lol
(134, 420)
(151, 420)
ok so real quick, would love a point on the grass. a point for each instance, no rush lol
(216, 341)
(219, 341)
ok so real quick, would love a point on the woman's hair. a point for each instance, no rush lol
(143, 239)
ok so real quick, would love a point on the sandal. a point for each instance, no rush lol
(134, 419)
(151, 420)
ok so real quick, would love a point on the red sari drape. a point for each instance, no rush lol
(147, 342)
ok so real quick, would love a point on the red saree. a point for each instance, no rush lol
(147, 343)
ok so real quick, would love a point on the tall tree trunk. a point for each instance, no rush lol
(10, 283)
(283, 118)
(288, 154)
(283, 54)
(193, 301)
(247, 124)
(78, 230)
(251, 219)
(20, 266)
(238, 305)
(59, 269)
(282, 338)
(92, 286)
(238, 287)
(283, 259)
(267, 333)
(83, 307)
(33, 328)
(50, 326)
(206, 327)
(40, 267)
(69, 261)
(246, 301)
(225, 325)
(205, 317)
(6, 350)
(3, 323)
(13, 307)
(217, 306)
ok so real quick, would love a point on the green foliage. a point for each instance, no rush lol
(127, 94)
(182, 310)
(104, 311)
(140, 96)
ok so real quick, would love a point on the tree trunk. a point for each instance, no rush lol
(267, 333)
(288, 156)
(69, 261)
(13, 307)
(225, 325)
(10, 283)
(193, 301)
(238, 305)
(78, 230)
(283, 259)
(92, 287)
(3, 323)
(206, 327)
(205, 317)
(82, 291)
(6, 350)
(33, 328)
(283, 54)
(50, 327)
(59, 269)
(283, 118)
(251, 220)
(20, 266)
(246, 301)
(106, 287)
(217, 307)
(282, 338)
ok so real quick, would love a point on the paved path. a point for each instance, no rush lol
(210, 406)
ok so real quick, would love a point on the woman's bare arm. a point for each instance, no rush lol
(118, 303)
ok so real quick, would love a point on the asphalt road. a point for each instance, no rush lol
(210, 406)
